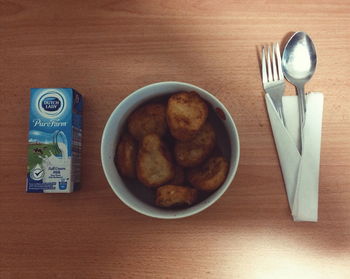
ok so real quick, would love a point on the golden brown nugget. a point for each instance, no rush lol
(192, 153)
(186, 113)
(179, 177)
(148, 119)
(154, 165)
(175, 195)
(126, 156)
(209, 176)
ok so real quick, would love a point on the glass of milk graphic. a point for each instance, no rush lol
(57, 165)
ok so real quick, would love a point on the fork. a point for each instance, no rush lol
(272, 77)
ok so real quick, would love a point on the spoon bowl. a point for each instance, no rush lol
(299, 59)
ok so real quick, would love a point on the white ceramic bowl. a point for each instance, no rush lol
(141, 198)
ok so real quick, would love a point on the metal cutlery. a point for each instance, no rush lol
(272, 76)
(298, 65)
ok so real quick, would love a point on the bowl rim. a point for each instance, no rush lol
(190, 210)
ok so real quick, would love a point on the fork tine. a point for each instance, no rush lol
(269, 73)
(263, 66)
(279, 63)
(274, 68)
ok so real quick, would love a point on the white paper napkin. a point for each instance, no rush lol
(300, 172)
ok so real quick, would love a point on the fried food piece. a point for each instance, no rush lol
(154, 165)
(194, 152)
(174, 195)
(209, 176)
(186, 113)
(126, 156)
(148, 119)
(179, 177)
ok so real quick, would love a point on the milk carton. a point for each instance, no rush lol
(54, 141)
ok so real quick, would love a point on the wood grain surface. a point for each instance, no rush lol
(108, 49)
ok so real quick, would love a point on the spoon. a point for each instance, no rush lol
(298, 65)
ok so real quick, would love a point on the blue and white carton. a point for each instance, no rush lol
(54, 141)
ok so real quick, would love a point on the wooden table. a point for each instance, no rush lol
(108, 49)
